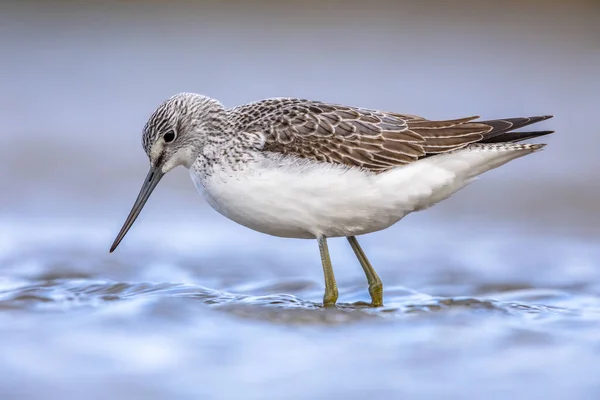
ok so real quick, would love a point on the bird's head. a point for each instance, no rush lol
(174, 135)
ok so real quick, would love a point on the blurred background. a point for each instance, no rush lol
(494, 292)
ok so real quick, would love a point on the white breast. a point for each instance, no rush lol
(289, 197)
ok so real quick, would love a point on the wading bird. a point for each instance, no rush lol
(306, 169)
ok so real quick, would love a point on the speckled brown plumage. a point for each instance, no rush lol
(370, 139)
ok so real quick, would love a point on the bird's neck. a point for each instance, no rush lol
(226, 151)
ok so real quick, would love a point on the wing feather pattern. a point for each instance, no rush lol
(357, 137)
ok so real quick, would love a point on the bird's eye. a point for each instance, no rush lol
(169, 136)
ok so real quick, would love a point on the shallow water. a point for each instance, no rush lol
(484, 316)
(494, 293)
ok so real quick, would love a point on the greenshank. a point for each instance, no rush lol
(298, 168)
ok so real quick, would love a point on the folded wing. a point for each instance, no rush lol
(370, 139)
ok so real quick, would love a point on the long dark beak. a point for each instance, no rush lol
(150, 183)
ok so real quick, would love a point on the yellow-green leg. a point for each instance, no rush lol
(375, 285)
(331, 290)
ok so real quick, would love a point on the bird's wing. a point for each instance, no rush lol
(356, 137)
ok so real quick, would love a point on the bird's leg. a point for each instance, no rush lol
(375, 285)
(331, 291)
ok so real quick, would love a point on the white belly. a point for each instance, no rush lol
(295, 198)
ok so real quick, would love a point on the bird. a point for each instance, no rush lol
(307, 169)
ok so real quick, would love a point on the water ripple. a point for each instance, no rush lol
(65, 294)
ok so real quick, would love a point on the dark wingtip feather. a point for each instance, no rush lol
(500, 128)
(515, 136)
